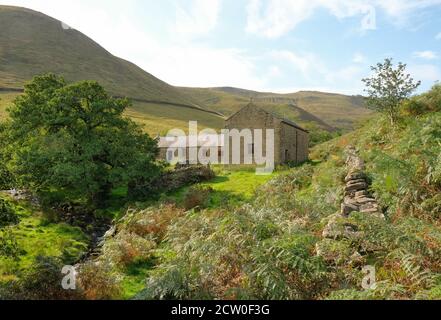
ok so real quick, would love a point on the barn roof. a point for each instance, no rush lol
(276, 116)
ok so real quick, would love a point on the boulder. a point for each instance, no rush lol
(350, 200)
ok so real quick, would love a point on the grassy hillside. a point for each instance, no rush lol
(159, 119)
(326, 110)
(242, 236)
(268, 246)
(32, 43)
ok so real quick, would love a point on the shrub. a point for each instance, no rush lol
(127, 247)
(139, 233)
(7, 180)
(197, 197)
(98, 281)
(414, 107)
(433, 98)
(8, 244)
(152, 222)
(427, 102)
(170, 181)
(7, 214)
(42, 281)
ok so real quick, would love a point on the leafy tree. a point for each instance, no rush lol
(389, 87)
(74, 138)
(7, 180)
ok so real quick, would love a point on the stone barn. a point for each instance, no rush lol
(291, 142)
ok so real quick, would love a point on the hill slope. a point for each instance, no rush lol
(327, 110)
(32, 43)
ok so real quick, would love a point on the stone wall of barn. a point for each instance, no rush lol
(294, 144)
(255, 118)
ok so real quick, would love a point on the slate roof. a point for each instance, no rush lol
(276, 116)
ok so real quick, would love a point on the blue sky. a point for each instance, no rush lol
(266, 45)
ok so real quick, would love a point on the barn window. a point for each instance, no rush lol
(170, 155)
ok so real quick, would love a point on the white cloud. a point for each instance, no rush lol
(307, 64)
(402, 9)
(278, 17)
(359, 58)
(427, 73)
(313, 71)
(204, 67)
(345, 74)
(274, 71)
(428, 55)
(200, 18)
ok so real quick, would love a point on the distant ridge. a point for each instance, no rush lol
(32, 43)
(329, 111)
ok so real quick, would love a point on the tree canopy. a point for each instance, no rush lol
(75, 138)
(389, 87)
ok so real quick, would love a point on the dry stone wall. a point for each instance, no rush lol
(340, 230)
(357, 197)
